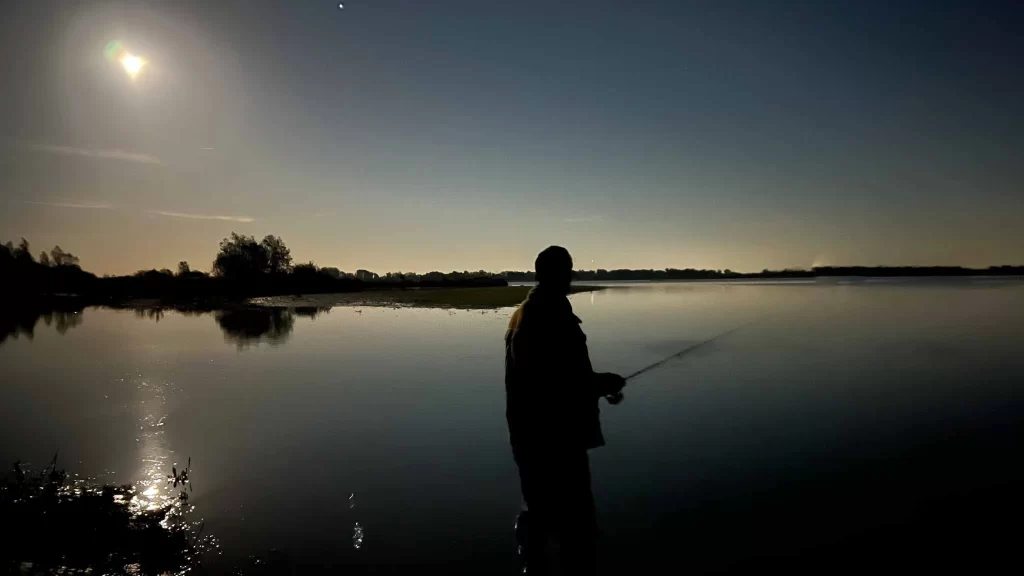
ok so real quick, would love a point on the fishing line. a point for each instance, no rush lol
(682, 352)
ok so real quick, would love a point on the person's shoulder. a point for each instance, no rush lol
(515, 321)
(547, 312)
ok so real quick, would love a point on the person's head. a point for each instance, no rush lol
(554, 268)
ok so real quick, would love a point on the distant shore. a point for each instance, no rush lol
(247, 272)
(466, 298)
(472, 294)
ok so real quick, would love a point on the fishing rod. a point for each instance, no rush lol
(618, 396)
(682, 353)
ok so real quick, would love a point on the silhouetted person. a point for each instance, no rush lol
(553, 419)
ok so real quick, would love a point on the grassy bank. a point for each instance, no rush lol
(468, 298)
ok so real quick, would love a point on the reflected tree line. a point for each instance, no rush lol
(21, 321)
(247, 326)
(241, 326)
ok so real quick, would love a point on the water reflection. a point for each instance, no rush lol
(247, 326)
(154, 453)
(310, 312)
(21, 320)
(855, 421)
(242, 327)
(157, 313)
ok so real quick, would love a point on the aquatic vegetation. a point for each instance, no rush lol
(58, 524)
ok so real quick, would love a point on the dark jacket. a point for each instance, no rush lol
(551, 389)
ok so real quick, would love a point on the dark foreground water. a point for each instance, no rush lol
(853, 427)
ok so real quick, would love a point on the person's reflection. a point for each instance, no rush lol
(553, 419)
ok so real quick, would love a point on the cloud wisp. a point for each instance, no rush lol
(85, 205)
(164, 213)
(243, 219)
(122, 155)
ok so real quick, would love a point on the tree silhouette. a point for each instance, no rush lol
(240, 256)
(61, 258)
(154, 275)
(183, 269)
(332, 272)
(279, 257)
(22, 253)
(306, 270)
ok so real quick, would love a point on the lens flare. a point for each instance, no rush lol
(116, 52)
(113, 49)
(132, 64)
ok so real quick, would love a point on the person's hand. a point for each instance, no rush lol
(610, 384)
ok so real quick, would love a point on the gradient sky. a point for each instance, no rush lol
(442, 134)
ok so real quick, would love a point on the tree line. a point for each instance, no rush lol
(55, 272)
(242, 267)
(245, 267)
(816, 272)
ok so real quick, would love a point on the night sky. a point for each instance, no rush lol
(417, 135)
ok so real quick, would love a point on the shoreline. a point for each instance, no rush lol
(470, 298)
(450, 298)
(453, 297)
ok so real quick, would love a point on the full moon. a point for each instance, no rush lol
(132, 64)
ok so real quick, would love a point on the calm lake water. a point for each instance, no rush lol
(845, 426)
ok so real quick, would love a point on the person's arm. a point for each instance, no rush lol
(596, 384)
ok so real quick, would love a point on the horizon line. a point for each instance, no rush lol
(657, 270)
